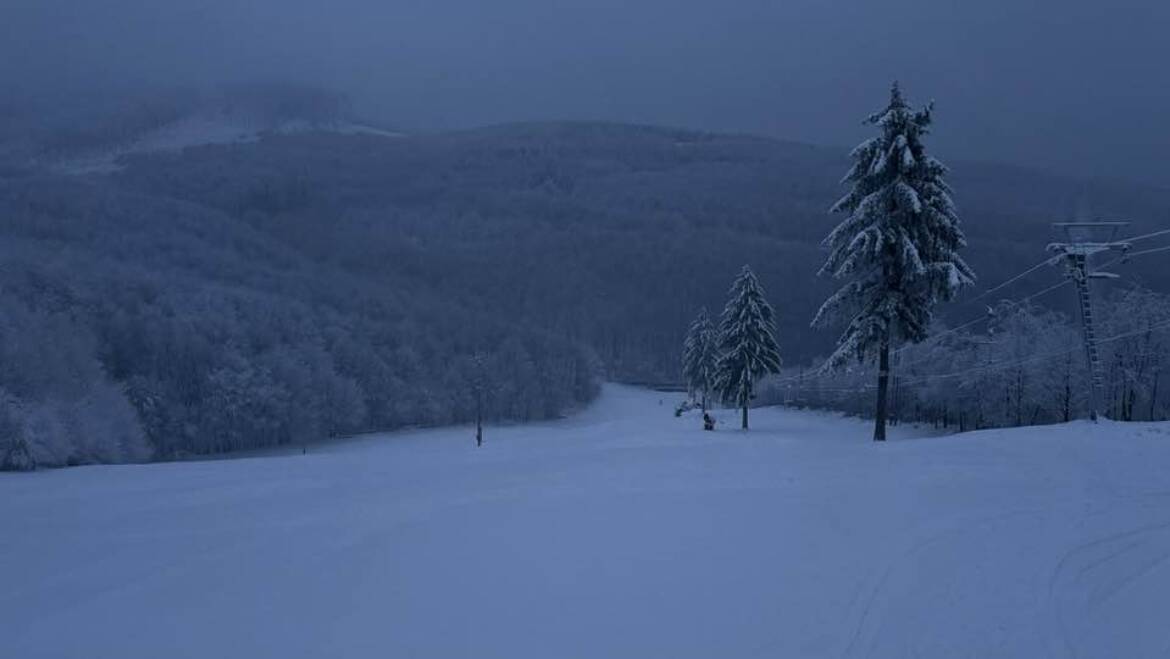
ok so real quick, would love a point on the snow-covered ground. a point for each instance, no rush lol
(194, 131)
(622, 532)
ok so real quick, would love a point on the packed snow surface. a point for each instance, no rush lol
(621, 532)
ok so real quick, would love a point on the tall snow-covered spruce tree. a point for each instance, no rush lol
(898, 247)
(747, 343)
(700, 354)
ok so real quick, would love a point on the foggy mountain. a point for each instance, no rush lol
(232, 290)
(1076, 86)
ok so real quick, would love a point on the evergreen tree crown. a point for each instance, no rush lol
(700, 353)
(900, 240)
(746, 340)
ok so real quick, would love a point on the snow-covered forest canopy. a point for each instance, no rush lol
(321, 282)
(1018, 365)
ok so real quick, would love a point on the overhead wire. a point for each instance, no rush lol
(1158, 327)
(1064, 282)
(1154, 234)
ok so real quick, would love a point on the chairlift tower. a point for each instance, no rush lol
(1084, 239)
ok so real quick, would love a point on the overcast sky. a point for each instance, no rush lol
(1073, 85)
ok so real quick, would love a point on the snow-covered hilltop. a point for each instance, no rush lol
(195, 131)
(95, 135)
(621, 532)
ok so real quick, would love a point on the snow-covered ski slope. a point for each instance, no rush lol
(622, 532)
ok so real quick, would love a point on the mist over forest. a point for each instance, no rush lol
(255, 265)
(257, 224)
(1072, 86)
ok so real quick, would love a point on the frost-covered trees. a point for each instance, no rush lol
(14, 452)
(58, 406)
(747, 345)
(1136, 352)
(897, 248)
(115, 351)
(700, 354)
(1028, 368)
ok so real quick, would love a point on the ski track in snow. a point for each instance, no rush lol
(1094, 574)
(619, 532)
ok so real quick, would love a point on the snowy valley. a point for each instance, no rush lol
(621, 531)
(584, 330)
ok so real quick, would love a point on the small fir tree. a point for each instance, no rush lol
(747, 343)
(898, 247)
(700, 353)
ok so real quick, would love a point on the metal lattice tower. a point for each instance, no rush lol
(1085, 239)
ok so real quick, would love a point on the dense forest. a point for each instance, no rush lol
(609, 234)
(1023, 365)
(136, 326)
(318, 284)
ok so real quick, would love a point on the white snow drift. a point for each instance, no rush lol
(622, 532)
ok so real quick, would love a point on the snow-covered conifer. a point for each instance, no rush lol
(747, 344)
(700, 353)
(898, 247)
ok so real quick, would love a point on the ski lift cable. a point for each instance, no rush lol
(1063, 282)
(1014, 303)
(1164, 325)
(1155, 234)
(948, 332)
(1046, 262)
(982, 317)
(1158, 327)
(1148, 251)
(994, 366)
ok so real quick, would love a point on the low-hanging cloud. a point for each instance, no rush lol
(1073, 85)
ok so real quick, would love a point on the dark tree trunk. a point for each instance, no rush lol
(879, 425)
(1154, 394)
(1019, 398)
(747, 399)
(1067, 395)
(479, 419)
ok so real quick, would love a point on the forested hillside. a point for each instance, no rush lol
(135, 326)
(307, 285)
(613, 235)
